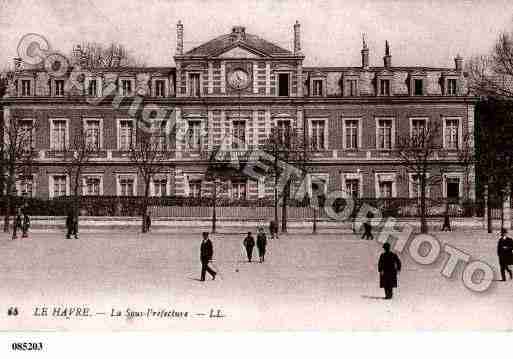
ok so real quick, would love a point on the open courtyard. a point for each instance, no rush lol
(131, 281)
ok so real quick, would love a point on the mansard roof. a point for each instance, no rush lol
(227, 42)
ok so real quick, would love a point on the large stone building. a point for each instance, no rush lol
(240, 86)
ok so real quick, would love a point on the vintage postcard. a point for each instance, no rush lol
(258, 166)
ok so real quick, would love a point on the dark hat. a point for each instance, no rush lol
(504, 231)
(386, 246)
(205, 234)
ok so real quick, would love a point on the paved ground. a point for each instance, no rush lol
(321, 282)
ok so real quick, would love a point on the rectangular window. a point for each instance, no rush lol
(92, 134)
(59, 186)
(25, 187)
(92, 186)
(160, 88)
(353, 188)
(418, 127)
(25, 87)
(239, 134)
(317, 135)
(195, 188)
(384, 140)
(126, 134)
(351, 131)
(385, 87)
(283, 128)
(352, 87)
(59, 135)
(238, 190)
(159, 135)
(317, 88)
(194, 83)
(126, 186)
(160, 187)
(453, 187)
(451, 87)
(91, 88)
(452, 134)
(418, 87)
(26, 134)
(194, 135)
(283, 84)
(126, 87)
(59, 87)
(385, 189)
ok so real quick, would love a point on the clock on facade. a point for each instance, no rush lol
(238, 79)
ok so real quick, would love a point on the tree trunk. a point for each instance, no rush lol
(145, 204)
(276, 190)
(76, 198)
(284, 204)
(423, 221)
(9, 190)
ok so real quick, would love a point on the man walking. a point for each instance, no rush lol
(261, 244)
(206, 254)
(367, 230)
(388, 266)
(72, 225)
(505, 253)
(26, 224)
(18, 223)
(249, 243)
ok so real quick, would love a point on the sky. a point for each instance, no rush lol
(420, 32)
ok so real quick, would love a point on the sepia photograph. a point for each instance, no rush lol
(255, 166)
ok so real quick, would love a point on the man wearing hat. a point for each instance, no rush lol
(505, 254)
(206, 254)
(388, 266)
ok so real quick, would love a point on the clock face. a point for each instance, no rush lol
(238, 79)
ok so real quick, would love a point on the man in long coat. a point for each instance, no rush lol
(261, 244)
(249, 243)
(388, 266)
(206, 254)
(505, 253)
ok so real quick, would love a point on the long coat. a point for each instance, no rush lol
(249, 242)
(505, 250)
(206, 251)
(389, 264)
(261, 242)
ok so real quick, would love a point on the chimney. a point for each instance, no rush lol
(179, 38)
(116, 57)
(458, 63)
(238, 33)
(17, 63)
(387, 59)
(365, 54)
(297, 39)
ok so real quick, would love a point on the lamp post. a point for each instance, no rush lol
(214, 214)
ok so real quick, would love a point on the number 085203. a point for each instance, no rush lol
(27, 346)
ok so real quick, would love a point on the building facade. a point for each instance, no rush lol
(235, 89)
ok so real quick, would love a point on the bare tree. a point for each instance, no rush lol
(492, 75)
(17, 154)
(77, 157)
(288, 146)
(147, 154)
(97, 55)
(416, 153)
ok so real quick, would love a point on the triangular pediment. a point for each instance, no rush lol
(238, 52)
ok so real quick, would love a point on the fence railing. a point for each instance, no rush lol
(187, 207)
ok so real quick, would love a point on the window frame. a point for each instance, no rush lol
(121, 90)
(32, 130)
(452, 175)
(352, 176)
(66, 134)
(412, 119)
(411, 183)
(51, 184)
(154, 82)
(87, 176)
(118, 130)
(160, 177)
(444, 132)
(311, 120)
(235, 145)
(119, 177)
(84, 128)
(393, 133)
(388, 177)
(359, 134)
(23, 179)
(189, 83)
(289, 90)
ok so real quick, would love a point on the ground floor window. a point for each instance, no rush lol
(127, 185)
(58, 186)
(92, 186)
(25, 187)
(195, 188)
(238, 189)
(160, 187)
(353, 187)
